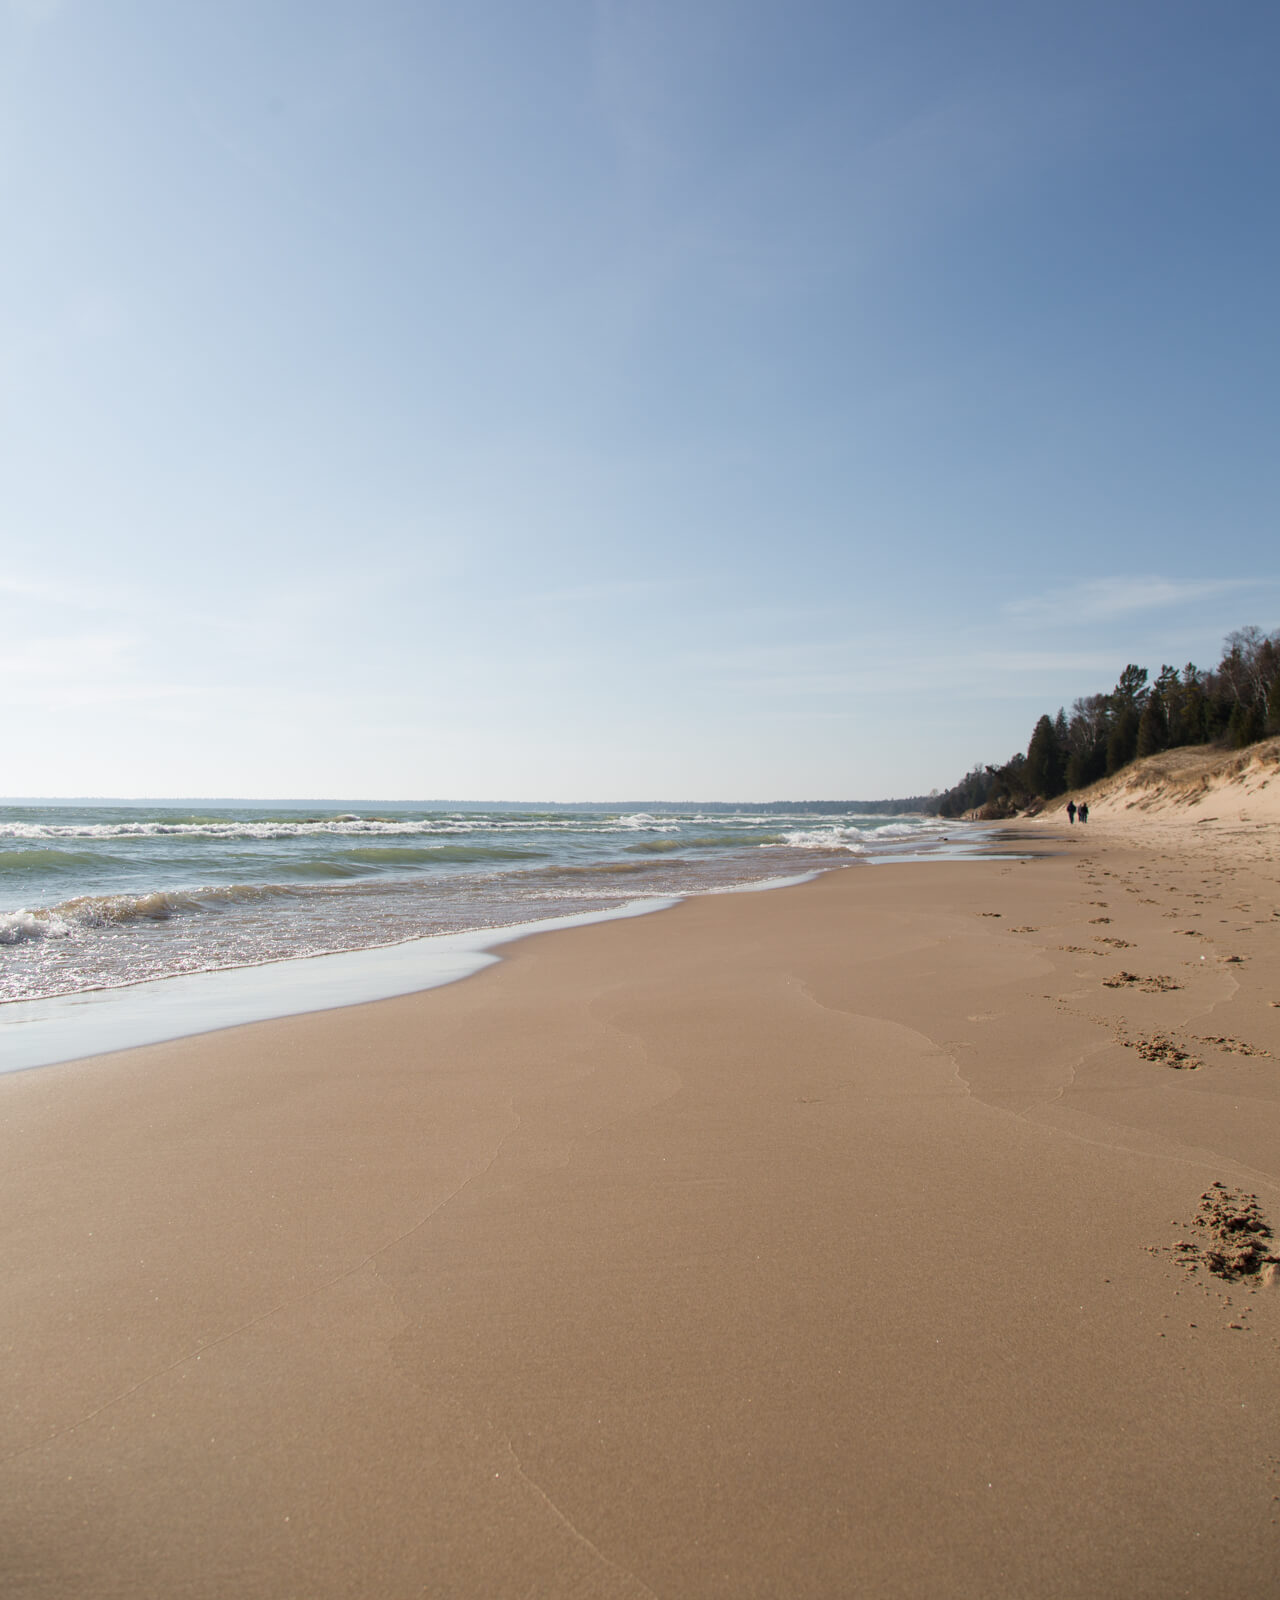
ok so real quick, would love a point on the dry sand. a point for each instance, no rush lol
(814, 1243)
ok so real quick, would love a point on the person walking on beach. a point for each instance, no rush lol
(1084, 811)
(1071, 811)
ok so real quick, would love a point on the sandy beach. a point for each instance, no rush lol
(838, 1240)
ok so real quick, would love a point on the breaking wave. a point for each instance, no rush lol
(859, 841)
(17, 927)
(111, 910)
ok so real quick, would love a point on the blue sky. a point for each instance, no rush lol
(647, 399)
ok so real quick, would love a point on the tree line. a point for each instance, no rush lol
(1233, 705)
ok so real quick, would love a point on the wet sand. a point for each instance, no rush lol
(813, 1243)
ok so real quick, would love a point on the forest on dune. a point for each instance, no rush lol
(1233, 705)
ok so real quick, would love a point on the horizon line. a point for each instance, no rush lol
(347, 800)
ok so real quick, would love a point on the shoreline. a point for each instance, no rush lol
(806, 1243)
(150, 893)
(96, 1021)
(183, 1006)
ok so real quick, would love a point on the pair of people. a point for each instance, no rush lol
(1074, 811)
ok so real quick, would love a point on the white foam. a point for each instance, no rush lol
(643, 820)
(859, 841)
(37, 1033)
(18, 927)
(850, 839)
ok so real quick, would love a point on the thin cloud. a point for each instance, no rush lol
(987, 677)
(868, 668)
(1103, 598)
(1006, 662)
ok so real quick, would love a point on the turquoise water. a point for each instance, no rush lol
(97, 897)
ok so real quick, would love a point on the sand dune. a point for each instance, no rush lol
(1200, 783)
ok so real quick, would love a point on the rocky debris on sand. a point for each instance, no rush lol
(1116, 944)
(1163, 1049)
(1154, 985)
(1235, 1046)
(1234, 1238)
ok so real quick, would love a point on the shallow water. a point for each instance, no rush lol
(95, 897)
(35, 1033)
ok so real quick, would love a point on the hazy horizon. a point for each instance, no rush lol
(258, 801)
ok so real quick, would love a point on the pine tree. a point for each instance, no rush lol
(1169, 687)
(1045, 772)
(1245, 725)
(1078, 774)
(1122, 741)
(1128, 700)
(1087, 740)
(1153, 726)
(1131, 690)
(1190, 728)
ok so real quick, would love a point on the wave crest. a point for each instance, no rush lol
(19, 927)
(111, 910)
(47, 860)
(859, 841)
